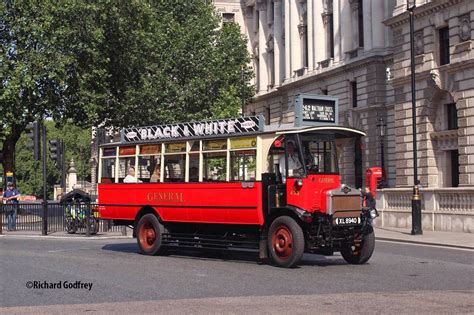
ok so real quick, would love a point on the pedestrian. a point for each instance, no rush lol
(368, 201)
(10, 197)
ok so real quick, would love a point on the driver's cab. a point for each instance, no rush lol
(305, 164)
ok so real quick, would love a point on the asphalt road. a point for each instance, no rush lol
(399, 277)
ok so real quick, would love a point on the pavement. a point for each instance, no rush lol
(438, 238)
(435, 238)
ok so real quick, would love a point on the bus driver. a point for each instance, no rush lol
(294, 164)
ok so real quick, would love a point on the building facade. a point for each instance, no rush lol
(359, 51)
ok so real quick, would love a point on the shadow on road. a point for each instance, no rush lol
(123, 247)
(249, 256)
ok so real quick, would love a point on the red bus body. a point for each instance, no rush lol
(210, 203)
(221, 203)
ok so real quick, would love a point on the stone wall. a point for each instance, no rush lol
(446, 209)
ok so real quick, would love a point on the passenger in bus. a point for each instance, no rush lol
(130, 178)
(294, 163)
(155, 177)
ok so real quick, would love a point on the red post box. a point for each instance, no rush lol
(373, 177)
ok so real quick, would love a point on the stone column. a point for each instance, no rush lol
(295, 45)
(302, 29)
(326, 16)
(377, 37)
(310, 29)
(262, 43)
(354, 9)
(336, 9)
(287, 41)
(71, 176)
(318, 32)
(278, 44)
(270, 62)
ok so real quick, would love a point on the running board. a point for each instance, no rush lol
(181, 240)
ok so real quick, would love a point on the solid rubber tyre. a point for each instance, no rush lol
(285, 242)
(360, 254)
(149, 235)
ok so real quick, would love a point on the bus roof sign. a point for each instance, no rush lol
(210, 128)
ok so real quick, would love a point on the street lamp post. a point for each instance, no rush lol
(242, 87)
(381, 127)
(416, 199)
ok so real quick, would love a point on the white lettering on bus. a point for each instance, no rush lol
(174, 132)
(222, 125)
(143, 133)
(231, 126)
(199, 129)
(158, 134)
(186, 131)
(208, 128)
(167, 132)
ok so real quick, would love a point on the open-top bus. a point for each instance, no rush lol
(231, 184)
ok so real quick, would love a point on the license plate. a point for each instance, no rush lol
(347, 220)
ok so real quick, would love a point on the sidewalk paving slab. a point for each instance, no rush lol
(439, 238)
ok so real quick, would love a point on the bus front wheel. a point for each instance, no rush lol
(285, 242)
(149, 235)
(359, 251)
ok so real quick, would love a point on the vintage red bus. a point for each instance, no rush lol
(236, 184)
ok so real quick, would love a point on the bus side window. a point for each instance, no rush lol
(108, 170)
(243, 165)
(174, 168)
(124, 166)
(214, 166)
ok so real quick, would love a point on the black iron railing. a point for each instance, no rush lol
(80, 218)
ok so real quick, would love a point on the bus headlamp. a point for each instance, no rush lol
(373, 213)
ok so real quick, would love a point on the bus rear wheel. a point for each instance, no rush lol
(359, 251)
(285, 242)
(149, 235)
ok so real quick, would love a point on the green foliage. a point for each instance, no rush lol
(29, 172)
(117, 63)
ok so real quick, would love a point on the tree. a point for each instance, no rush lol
(30, 176)
(38, 58)
(116, 64)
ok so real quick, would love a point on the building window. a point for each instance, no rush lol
(454, 154)
(452, 116)
(228, 17)
(267, 116)
(354, 93)
(444, 46)
(360, 18)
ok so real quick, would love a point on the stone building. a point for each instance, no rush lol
(359, 51)
(338, 48)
